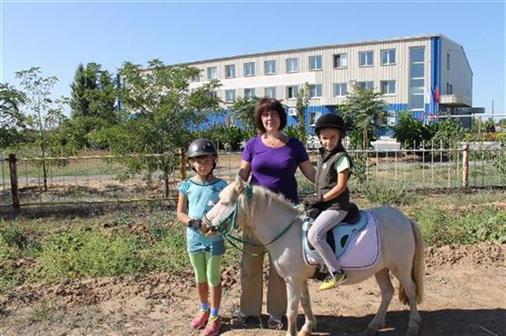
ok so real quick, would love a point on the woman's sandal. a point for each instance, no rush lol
(275, 323)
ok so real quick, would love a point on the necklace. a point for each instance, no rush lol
(274, 141)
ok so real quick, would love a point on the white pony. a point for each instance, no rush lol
(277, 224)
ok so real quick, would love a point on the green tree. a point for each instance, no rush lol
(93, 93)
(44, 114)
(300, 107)
(244, 111)
(410, 132)
(163, 110)
(364, 112)
(489, 126)
(11, 118)
(447, 132)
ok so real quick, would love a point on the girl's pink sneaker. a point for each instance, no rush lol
(200, 320)
(213, 326)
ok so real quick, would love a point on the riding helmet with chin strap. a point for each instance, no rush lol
(330, 120)
(201, 147)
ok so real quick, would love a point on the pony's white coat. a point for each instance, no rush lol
(266, 214)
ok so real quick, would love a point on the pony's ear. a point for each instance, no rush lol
(239, 184)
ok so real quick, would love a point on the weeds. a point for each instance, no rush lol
(53, 248)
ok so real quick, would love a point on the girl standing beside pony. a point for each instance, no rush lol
(196, 196)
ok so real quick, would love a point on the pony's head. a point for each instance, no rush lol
(243, 205)
(225, 212)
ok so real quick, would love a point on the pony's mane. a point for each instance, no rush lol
(266, 196)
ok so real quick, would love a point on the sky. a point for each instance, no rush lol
(58, 35)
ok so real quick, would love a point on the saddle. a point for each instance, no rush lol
(338, 238)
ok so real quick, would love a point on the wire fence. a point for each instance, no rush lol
(104, 178)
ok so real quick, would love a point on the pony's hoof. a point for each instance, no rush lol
(304, 333)
(413, 331)
(368, 332)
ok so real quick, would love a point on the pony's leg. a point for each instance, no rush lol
(387, 291)
(409, 287)
(294, 290)
(310, 320)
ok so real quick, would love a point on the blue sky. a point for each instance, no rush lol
(58, 35)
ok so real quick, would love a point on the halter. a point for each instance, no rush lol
(230, 217)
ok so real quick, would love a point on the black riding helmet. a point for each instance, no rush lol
(330, 120)
(201, 147)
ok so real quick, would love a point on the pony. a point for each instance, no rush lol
(277, 224)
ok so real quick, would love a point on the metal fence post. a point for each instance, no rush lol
(465, 166)
(14, 181)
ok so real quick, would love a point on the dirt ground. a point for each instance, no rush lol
(465, 295)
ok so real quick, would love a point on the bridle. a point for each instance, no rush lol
(228, 222)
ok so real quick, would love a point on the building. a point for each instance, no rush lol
(425, 75)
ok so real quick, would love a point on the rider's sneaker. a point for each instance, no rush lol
(332, 280)
(213, 326)
(200, 320)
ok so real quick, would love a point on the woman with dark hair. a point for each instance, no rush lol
(271, 159)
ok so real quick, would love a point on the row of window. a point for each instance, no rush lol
(340, 61)
(387, 87)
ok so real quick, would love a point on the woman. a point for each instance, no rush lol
(271, 160)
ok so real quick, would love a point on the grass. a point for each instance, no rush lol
(93, 242)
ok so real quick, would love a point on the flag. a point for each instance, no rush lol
(437, 95)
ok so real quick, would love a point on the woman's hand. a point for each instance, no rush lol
(245, 170)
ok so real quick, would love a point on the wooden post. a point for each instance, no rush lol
(182, 163)
(465, 166)
(14, 181)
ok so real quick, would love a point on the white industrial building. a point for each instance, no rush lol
(425, 75)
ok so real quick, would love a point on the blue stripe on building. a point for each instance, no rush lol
(435, 72)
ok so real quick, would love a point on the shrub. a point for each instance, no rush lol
(442, 227)
(383, 192)
(79, 253)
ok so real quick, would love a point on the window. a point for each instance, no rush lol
(249, 69)
(292, 91)
(387, 87)
(230, 71)
(270, 67)
(416, 78)
(292, 65)
(313, 117)
(449, 88)
(315, 90)
(340, 89)
(387, 56)
(229, 96)
(315, 63)
(341, 61)
(249, 93)
(367, 85)
(212, 73)
(365, 58)
(270, 92)
(417, 54)
(416, 70)
(448, 61)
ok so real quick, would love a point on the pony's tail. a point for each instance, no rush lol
(417, 269)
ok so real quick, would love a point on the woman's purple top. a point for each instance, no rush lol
(274, 168)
